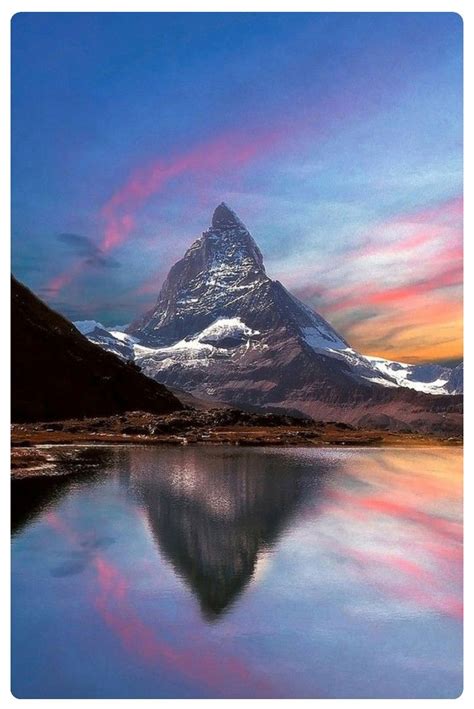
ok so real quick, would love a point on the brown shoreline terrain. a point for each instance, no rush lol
(189, 427)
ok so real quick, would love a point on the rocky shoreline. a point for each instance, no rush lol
(213, 427)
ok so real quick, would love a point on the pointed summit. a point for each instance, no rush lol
(222, 266)
(225, 218)
(229, 241)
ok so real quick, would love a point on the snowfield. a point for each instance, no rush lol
(87, 326)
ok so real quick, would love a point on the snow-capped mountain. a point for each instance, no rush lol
(429, 378)
(112, 340)
(222, 328)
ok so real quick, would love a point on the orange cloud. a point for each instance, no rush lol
(401, 296)
(428, 329)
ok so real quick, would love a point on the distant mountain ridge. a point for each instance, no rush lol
(222, 329)
(430, 378)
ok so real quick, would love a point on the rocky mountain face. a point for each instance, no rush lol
(222, 329)
(221, 274)
(57, 373)
(455, 382)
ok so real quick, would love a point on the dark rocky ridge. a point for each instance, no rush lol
(57, 373)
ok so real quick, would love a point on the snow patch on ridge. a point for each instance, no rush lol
(123, 337)
(199, 349)
(381, 381)
(319, 338)
(226, 328)
(87, 326)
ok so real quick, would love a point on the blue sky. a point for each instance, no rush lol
(337, 138)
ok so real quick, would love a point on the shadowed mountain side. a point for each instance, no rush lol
(212, 523)
(57, 373)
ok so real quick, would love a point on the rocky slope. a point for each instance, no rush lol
(57, 373)
(67, 441)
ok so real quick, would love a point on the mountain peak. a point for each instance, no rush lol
(225, 218)
(230, 244)
(223, 265)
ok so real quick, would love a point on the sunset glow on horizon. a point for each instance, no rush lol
(336, 138)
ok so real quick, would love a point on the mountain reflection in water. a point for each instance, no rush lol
(212, 516)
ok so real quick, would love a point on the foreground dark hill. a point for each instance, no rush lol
(57, 373)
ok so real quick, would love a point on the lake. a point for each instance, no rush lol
(240, 572)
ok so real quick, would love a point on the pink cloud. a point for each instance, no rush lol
(408, 582)
(232, 150)
(61, 527)
(422, 251)
(425, 237)
(56, 284)
(450, 276)
(419, 568)
(194, 658)
(445, 211)
(149, 286)
(116, 230)
(200, 663)
(407, 234)
(400, 509)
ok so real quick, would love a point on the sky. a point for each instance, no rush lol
(336, 138)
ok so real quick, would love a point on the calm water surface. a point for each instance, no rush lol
(219, 572)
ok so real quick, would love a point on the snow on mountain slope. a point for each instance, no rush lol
(226, 329)
(219, 340)
(119, 343)
(122, 336)
(220, 274)
(87, 326)
(321, 340)
(406, 375)
(225, 333)
(430, 378)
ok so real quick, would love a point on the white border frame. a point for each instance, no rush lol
(10, 7)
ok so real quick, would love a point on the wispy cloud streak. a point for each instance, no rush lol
(406, 273)
(230, 151)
